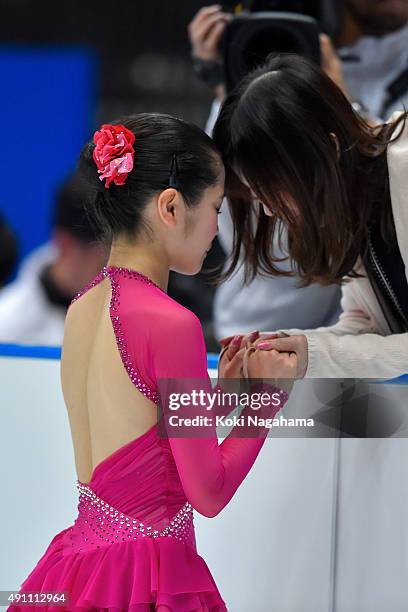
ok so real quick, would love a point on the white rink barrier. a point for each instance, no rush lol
(319, 525)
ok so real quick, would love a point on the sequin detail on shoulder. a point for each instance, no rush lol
(128, 273)
(151, 394)
(112, 272)
(102, 274)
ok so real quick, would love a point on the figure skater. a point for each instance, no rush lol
(157, 183)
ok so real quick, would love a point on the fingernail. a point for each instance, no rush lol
(236, 339)
(265, 345)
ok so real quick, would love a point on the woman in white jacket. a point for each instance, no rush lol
(296, 151)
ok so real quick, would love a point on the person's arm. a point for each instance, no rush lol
(348, 356)
(328, 355)
(351, 348)
(210, 472)
(353, 319)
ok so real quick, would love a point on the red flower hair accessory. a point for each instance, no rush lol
(114, 153)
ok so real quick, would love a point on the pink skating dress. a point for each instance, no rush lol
(132, 546)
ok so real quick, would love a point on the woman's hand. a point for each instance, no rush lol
(205, 32)
(279, 341)
(288, 344)
(230, 360)
(232, 355)
(272, 365)
(250, 338)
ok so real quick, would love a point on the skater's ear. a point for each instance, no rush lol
(170, 207)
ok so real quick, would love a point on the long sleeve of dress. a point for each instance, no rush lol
(210, 472)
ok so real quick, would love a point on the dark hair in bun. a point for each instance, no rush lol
(118, 211)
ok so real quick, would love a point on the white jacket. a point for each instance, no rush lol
(360, 344)
(26, 315)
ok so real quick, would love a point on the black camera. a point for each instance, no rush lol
(261, 27)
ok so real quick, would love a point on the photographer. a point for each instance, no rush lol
(369, 64)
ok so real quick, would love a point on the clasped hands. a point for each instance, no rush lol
(266, 356)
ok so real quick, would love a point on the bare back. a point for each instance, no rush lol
(105, 409)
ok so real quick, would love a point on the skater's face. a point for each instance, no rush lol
(200, 228)
(186, 232)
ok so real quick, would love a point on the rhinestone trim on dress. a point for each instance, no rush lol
(127, 272)
(151, 394)
(112, 525)
(109, 271)
(89, 285)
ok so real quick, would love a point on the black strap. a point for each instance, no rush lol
(392, 265)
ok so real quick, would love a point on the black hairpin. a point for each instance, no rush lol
(173, 172)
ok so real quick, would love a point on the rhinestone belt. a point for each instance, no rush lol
(99, 520)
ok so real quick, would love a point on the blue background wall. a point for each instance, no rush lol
(47, 113)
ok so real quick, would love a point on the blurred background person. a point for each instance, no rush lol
(372, 44)
(33, 306)
(8, 251)
(68, 62)
(369, 62)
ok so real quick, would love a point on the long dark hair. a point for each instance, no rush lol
(276, 131)
(118, 211)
